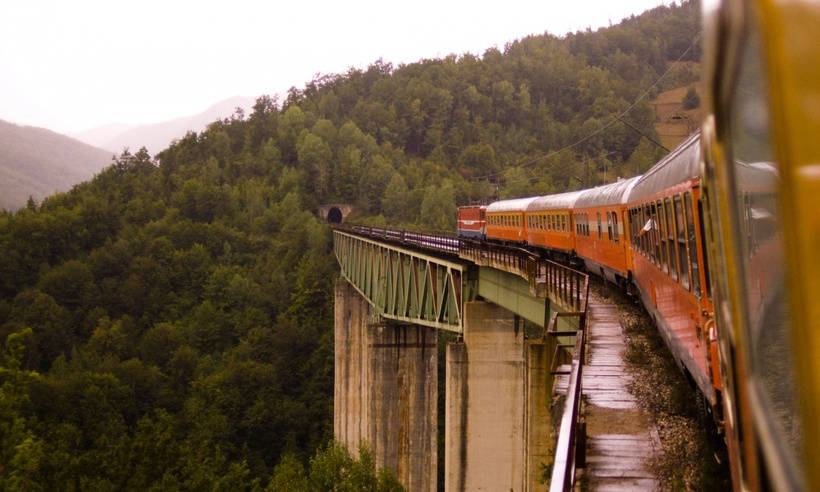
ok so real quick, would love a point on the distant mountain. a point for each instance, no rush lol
(158, 136)
(100, 136)
(38, 162)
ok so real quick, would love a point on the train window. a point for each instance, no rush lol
(690, 234)
(762, 277)
(609, 225)
(680, 227)
(663, 235)
(653, 234)
(564, 222)
(615, 225)
(600, 232)
(704, 249)
(670, 239)
(646, 240)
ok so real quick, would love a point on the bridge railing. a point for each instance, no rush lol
(567, 447)
(564, 285)
(439, 241)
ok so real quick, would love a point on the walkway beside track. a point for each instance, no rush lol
(619, 438)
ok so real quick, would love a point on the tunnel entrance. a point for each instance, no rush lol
(334, 215)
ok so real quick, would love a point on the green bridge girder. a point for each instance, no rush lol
(416, 283)
(406, 285)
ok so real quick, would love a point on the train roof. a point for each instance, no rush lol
(681, 164)
(610, 194)
(561, 201)
(514, 205)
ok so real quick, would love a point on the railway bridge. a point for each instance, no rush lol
(518, 321)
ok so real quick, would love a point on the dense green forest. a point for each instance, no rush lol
(168, 324)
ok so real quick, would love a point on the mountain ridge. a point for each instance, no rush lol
(37, 162)
(157, 136)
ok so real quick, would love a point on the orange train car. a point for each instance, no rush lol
(668, 261)
(600, 218)
(549, 222)
(505, 220)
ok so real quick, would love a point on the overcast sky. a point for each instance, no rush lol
(71, 65)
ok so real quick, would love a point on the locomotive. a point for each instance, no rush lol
(720, 240)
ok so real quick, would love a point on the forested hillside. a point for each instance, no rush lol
(168, 324)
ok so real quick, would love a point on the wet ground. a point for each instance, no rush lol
(642, 427)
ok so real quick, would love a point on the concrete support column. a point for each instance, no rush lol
(497, 404)
(485, 401)
(386, 390)
(351, 392)
(539, 447)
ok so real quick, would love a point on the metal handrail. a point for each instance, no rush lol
(563, 468)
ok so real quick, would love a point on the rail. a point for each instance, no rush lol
(566, 448)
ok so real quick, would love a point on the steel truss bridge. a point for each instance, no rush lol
(426, 279)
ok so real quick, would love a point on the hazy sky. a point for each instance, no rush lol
(71, 65)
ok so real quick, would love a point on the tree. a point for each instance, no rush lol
(438, 209)
(315, 157)
(394, 200)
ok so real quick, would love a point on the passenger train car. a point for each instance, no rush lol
(666, 226)
(549, 224)
(505, 220)
(601, 234)
(721, 239)
(761, 176)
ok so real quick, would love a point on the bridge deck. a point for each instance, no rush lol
(619, 436)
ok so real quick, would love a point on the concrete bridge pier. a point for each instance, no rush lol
(386, 390)
(497, 405)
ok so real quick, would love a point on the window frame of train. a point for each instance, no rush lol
(663, 235)
(782, 459)
(682, 242)
(615, 225)
(704, 250)
(647, 244)
(692, 244)
(609, 225)
(670, 239)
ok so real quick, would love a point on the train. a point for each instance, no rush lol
(720, 240)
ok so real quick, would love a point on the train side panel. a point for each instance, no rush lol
(668, 265)
(600, 240)
(550, 229)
